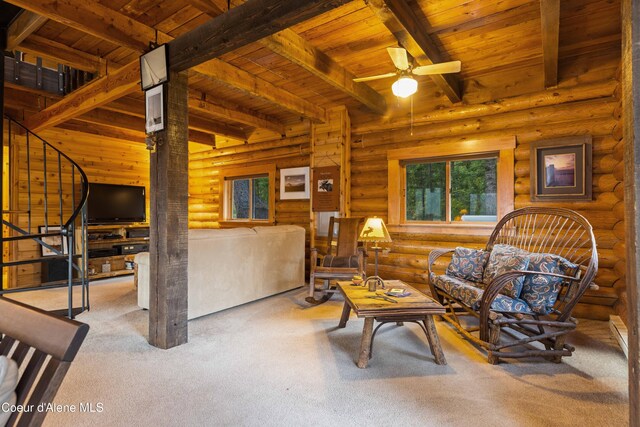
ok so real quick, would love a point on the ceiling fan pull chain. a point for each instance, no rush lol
(411, 121)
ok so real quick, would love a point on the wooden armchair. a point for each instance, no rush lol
(344, 259)
(37, 341)
(537, 265)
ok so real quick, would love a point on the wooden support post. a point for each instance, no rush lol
(169, 222)
(331, 146)
(631, 120)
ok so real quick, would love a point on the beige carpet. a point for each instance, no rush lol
(278, 362)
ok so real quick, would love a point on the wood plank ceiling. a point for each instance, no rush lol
(264, 89)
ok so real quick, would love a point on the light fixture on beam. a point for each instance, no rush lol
(404, 87)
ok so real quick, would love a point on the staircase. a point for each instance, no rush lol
(46, 222)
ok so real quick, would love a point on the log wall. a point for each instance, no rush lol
(204, 183)
(583, 108)
(104, 160)
(577, 107)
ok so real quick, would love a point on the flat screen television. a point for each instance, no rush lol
(114, 204)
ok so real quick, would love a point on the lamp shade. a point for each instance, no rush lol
(404, 87)
(374, 230)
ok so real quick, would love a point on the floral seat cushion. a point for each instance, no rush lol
(470, 294)
(505, 258)
(541, 291)
(468, 264)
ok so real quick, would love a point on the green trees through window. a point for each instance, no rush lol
(260, 203)
(426, 192)
(468, 191)
(250, 198)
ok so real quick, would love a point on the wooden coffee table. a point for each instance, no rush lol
(417, 308)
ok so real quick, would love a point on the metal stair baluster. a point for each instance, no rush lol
(67, 230)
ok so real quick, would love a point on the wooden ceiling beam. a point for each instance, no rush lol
(131, 125)
(212, 8)
(293, 47)
(93, 127)
(550, 18)
(199, 102)
(113, 119)
(122, 134)
(410, 31)
(202, 124)
(296, 49)
(126, 105)
(92, 95)
(250, 84)
(242, 25)
(63, 54)
(95, 19)
(82, 16)
(22, 27)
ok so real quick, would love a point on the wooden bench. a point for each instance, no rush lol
(43, 346)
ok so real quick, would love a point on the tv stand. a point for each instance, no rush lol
(114, 245)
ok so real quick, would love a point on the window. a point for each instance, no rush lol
(247, 194)
(452, 190)
(446, 188)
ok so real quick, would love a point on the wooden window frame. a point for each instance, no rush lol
(503, 148)
(228, 174)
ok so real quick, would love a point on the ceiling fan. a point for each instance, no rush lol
(406, 85)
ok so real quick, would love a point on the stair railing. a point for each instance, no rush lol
(71, 222)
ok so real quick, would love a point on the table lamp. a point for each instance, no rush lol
(374, 231)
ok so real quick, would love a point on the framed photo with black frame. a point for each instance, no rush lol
(154, 109)
(57, 242)
(154, 67)
(561, 169)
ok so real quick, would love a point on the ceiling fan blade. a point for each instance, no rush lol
(442, 68)
(380, 76)
(399, 57)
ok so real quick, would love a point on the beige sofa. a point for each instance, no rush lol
(229, 267)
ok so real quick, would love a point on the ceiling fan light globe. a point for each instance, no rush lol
(404, 87)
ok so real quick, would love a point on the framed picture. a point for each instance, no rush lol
(294, 183)
(154, 109)
(154, 67)
(54, 241)
(326, 189)
(561, 169)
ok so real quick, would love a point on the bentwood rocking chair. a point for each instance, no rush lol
(523, 287)
(344, 259)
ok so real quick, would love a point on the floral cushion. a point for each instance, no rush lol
(541, 291)
(447, 283)
(468, 264)
(469, 294)
(505, 258)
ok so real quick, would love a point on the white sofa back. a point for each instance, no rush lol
(229, 267)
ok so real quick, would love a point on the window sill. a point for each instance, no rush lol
(240, 223)
(476, 229)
